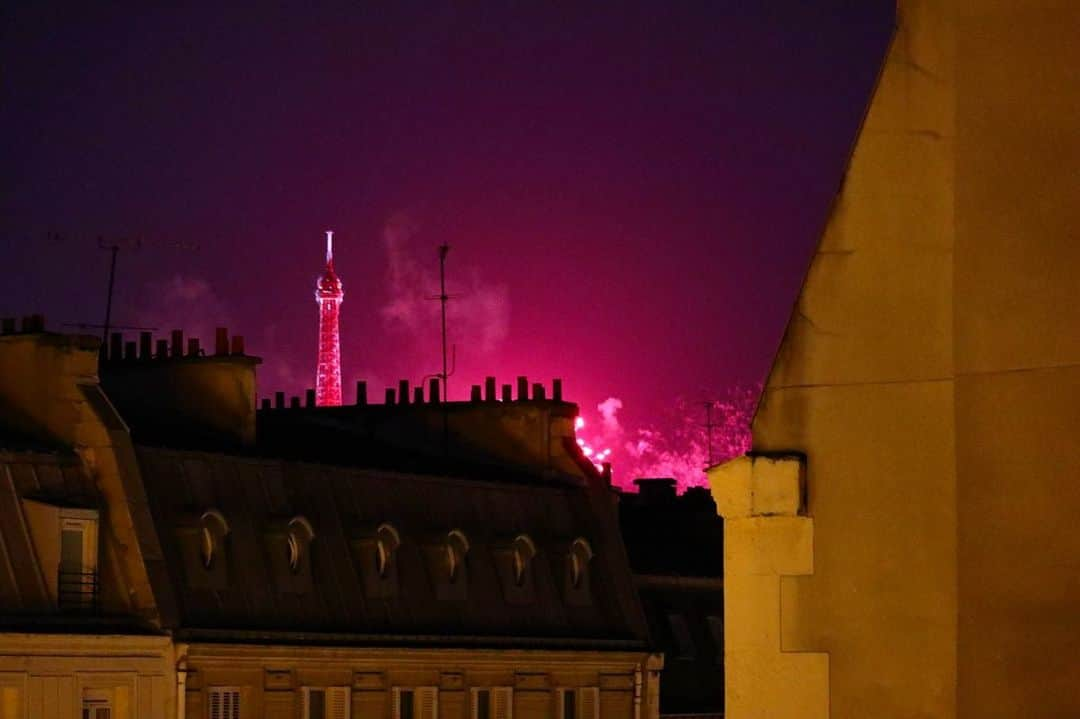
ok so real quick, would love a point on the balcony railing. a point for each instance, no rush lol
(78, 591)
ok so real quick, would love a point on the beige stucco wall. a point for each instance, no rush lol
(930, 375)
(47, 676)
(271, 678)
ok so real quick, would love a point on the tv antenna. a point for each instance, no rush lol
(709, 425)
(443, 298)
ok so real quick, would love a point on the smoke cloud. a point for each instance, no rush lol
(479, 313)
(676, 444)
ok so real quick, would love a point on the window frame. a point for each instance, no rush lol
(237, 706)
(474, 701)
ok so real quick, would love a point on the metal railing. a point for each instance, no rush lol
(77, 591)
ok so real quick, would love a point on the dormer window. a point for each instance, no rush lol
(299, 534)
(457, 546)
(524, 551)
(212, 532)
(387, 541)
(580, 556)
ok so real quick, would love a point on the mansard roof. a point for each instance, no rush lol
(263, 589)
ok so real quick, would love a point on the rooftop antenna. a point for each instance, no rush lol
(709, 426)
(443, 298)
(114, 248)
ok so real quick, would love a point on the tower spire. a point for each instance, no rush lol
(328, 295)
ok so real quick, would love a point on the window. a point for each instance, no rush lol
(96, 704)
(493, 703)
(326, 702)
(77, 573)
(387, 540)
(524, 551)
(224, 703)
(416, 703)
(680, 634)
(579, 703)
(212, 532)
(299, 536)
(580, 556)
(457, 546)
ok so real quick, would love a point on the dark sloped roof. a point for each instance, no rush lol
(257, 495)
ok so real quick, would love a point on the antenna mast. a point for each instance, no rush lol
(444, 249)
(114, 249)
(709, 426)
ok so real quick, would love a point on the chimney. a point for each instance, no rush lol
(489, 389)
(202, 402)
(507, 393)
(538, 391)
(403, 391)
(474, 394)
(556, 389)
(656, 489)
(221, 341)
(361, 392)
(266, 403)
(309, 398)
(116, 346)
(389, 396)
(433, 390)
(238, 345)
(418, 395)
(523, 388)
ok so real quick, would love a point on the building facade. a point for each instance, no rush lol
(165, 559)
(901, 541)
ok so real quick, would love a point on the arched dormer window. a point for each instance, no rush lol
(299, 534)
(457, 546)
(581, 554)
(212, 532)
(387, 541)
(524, 551)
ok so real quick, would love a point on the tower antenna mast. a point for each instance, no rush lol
(114, 248)
(443, 298)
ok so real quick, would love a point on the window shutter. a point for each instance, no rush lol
(338, 701)
(396, 708)
(474, 694)
(502, 703)
(428, 702)
(224, 704)
(588, 703)
(560, 703)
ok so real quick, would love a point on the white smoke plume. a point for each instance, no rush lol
(184, 303)
(480, 311)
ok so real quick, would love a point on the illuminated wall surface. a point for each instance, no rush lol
(930, 374)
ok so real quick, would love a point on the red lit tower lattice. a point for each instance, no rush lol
(328, 294)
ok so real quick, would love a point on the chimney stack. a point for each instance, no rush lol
(433, 390)
(361, 392)
(116, 346)
(489, 389)
(221, 341)
(403, 391)
(146, 346)
(389, 396)
(177, 348)
(538, 391)
(507, 393)
(309, 398)
(193, 347)
(238, 345)
(474, 394)
(556, 389)
(522, 389)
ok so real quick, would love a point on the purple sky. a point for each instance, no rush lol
(631, 193)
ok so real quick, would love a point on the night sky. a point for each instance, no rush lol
(631, 190)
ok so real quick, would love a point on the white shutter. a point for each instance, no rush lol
(474, 694)
(224, 703)
(588, 703)
(502, 703)
(560, 702)
(427, 700)
(338, 702)
(396, 708)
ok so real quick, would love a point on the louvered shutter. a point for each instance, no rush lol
(560, 704)
(224, 704)
(338, 700)
(502, 703)
(396, 708)
(588, 703)
(427, 700)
